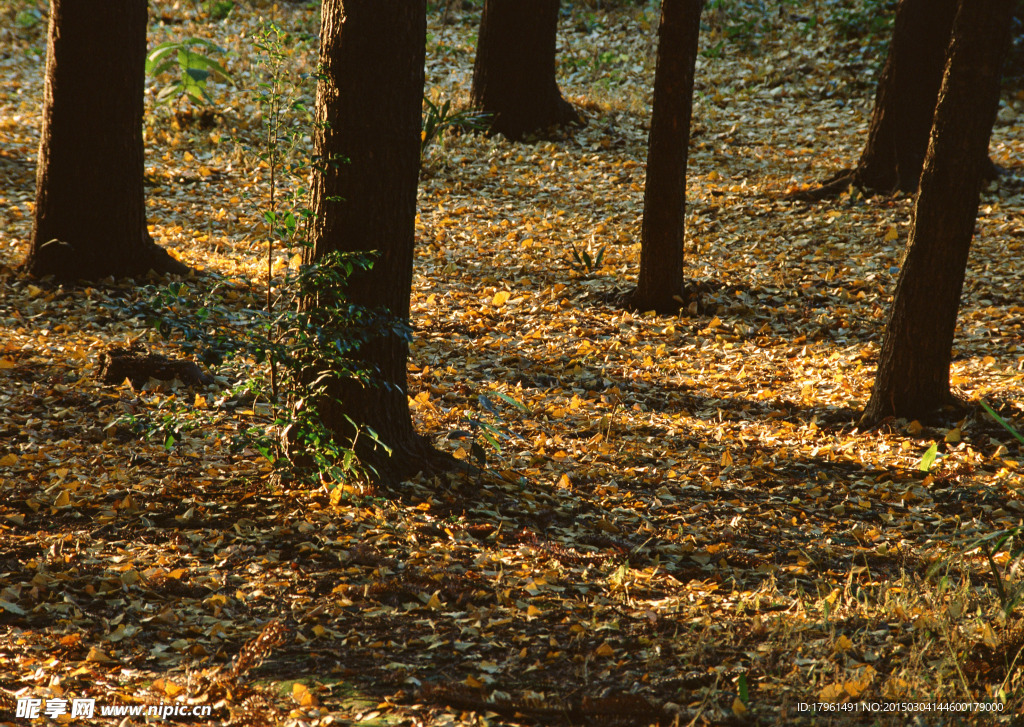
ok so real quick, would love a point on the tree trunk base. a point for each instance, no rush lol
(951, 406)
(64, 262)
(138, 365)
(516, 125)
(829, 189)
(407, 459)
(846, 178)
(636, 301)
(415, 457)
(161, 262)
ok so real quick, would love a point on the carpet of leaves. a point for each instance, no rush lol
(686, 523)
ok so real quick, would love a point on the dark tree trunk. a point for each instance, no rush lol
(907, 93)
(369, 103)
(660, 284)
(514, 71)
(913, 367)
(905, 100)
(90, 214)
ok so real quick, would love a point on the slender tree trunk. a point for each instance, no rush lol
(368, 107)
(660, 284)
(905, 100)
(907, 93)
(913, 368)
(514, 71)
(90, 214)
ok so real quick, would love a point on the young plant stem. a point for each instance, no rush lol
(272, 129)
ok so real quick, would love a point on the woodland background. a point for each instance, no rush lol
(685, 521)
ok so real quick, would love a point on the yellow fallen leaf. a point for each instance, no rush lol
(302, 695)
(6, 363)
(607, 526)
(855, 688)
(118, 634)
(533, 611)
(891, 234)
(843, 643)
(98, 656)
(832, 693)
(500, 298)
(63, 499)
(738, 707)
(953, 435)
(8, 460)
(475, 683)
(605, 650)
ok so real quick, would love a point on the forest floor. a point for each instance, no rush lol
(686, 523)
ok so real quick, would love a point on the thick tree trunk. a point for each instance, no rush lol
(660, 284)
(913, 368)
(368, 107)
(514, 71)
(907, 93)
(90, 214)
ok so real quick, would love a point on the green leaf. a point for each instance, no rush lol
(490, 440)
(166, 93)
(198, 75)
(160, 51)
(928, 458)
(212, 66)
(165, 67)
(1002, 422)
(510, 400)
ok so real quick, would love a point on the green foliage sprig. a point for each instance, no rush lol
(438, 119)
(1000, 421)
(193, 68)
(585, 261)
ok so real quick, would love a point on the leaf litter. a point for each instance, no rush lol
(683, 520)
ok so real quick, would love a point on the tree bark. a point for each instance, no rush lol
(907, 94)
(368, 110)
(660, 283)
(90, 214)
(905, 100)
(913, 368)
(514, 70)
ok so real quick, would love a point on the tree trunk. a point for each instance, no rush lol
(514, 71)
(90, 214)
(660, 284)
(368, 110)
(907, 93)
(905, 100)
(913, 367)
